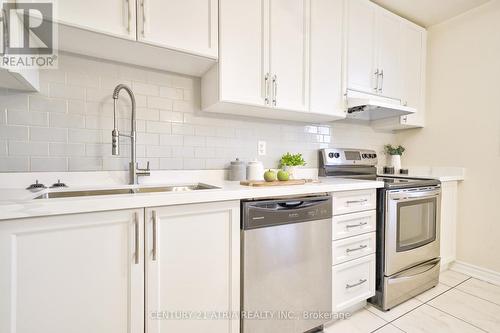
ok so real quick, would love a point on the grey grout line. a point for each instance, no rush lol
(468, 293)
(387, 325)
(461, 319)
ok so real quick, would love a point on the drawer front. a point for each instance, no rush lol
(354, 224)
(354, 201)
(353, 282)
(353, 247)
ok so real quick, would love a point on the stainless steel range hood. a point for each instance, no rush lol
(370, 107)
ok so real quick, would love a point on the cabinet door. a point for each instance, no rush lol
(115, 17)
(73, 273)
(192, 265)
(389, 54)
(326, 49)
(289, 56)
(361, 66)
(186, 25)
(413, 56)
(242, 68)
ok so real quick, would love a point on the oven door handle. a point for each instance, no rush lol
(412, 272)
(400, 197)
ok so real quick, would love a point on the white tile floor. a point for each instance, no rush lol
(459, 304)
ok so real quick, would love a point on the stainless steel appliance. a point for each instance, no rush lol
(408, 223)
(286, 264)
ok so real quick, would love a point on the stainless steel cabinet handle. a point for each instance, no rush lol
(275, 89)
(143, 5)
(136, 225)
(361, 247)
(6, 40)
(349, 226)
(377, 79)
(266, 88)
(349, 286)
(155, 236)
(128, 3)
(356, 201)
(381, 81)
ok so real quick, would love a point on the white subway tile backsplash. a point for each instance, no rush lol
(14, 132)
(14, 164)
(64, 120)
(67, 149)
(15, 117)
(48, 134)
(22, 148)
(44, 164)
(84, 163)
(45, 104)
(76, 102)
(60, 90)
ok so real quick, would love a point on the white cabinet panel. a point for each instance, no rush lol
(327, 84)
(354, 201)
(186, 25)
(353, 282)
(361, 47)
(115, 17)
(192, 265)
(73, 273)
(289, 39)
(353, 247)
(241, 65)
(388, 45)
(354, 224)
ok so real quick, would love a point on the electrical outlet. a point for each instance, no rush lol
(261, 148)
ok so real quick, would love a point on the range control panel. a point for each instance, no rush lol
(343, 156)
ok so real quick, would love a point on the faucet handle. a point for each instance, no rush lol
(137, 167)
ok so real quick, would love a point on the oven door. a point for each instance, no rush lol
(411, 228)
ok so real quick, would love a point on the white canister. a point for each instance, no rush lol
(255, 170)
(237, 170)
(396, 162)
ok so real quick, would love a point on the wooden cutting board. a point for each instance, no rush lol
(261, 183)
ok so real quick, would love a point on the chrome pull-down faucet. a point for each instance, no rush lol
(134, 169)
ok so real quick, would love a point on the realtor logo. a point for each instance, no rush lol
(28, 35)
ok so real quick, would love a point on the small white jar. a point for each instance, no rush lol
(255, 170)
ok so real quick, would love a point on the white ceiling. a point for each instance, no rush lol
(429, 12)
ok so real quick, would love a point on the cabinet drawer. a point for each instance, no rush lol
(353, 282)
(353, 247)
(354, 201)
(354, 224)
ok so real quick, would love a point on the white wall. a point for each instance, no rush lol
(463, 125)
(67, 126)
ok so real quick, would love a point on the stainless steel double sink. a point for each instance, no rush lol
(158, 189)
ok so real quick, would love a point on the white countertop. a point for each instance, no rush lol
(20, 203)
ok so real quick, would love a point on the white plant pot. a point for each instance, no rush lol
(291, 171)
(396, 163)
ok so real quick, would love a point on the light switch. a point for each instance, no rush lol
(261, 148)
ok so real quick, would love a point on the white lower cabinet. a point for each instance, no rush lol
(353, 282)
(192, 267)
(353, 248)
(113, 272)
(73, 273)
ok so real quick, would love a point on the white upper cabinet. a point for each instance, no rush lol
(241, 68)
(289, 63)
(362, 74)
(74, 273)
(327, 84)
(185, 25)
(388, 54)
(279, 59)
(115, 17)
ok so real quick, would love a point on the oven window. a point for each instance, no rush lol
(416, 224)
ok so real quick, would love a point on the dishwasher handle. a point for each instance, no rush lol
(267, 213)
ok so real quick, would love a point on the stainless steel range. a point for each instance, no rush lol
(408, 223)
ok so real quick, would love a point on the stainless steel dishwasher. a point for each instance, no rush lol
(286, 264)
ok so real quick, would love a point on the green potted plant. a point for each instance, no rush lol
(395, 153)
(289, 162)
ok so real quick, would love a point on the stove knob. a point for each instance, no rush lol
(336, 155)
(363, 155)
(374, 155)
(330, 155)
